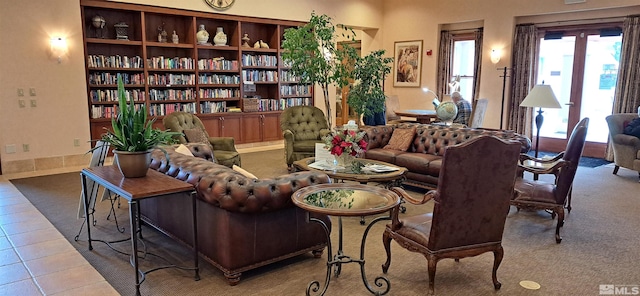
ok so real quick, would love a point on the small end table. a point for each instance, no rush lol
(153, 185)
(346, 199)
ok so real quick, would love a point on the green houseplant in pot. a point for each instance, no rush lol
(133, 137)
(366, 96)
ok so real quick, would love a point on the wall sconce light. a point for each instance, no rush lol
(495, 55)
(58, 47)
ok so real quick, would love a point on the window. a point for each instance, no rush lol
(463, 64)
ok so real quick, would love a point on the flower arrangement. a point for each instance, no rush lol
(348, 142)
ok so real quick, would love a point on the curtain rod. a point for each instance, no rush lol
(575, 22)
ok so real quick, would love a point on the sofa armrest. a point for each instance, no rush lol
(627, 140)
(324, 132)
(223, 143)
(377, 136)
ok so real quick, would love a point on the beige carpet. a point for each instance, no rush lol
(600, 246)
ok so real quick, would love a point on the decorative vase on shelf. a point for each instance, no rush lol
(202, 36)
(245, 40)
(220, 39)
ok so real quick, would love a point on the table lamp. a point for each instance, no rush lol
(435, 100)
(540, 96)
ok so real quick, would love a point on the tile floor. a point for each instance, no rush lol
(35, 259)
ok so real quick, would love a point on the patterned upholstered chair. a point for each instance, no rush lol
(302, 127)
(626, 148)
(470, 208)
(224, 149)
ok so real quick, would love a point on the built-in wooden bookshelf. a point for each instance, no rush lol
(207, 80)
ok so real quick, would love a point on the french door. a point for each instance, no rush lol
(581, 65)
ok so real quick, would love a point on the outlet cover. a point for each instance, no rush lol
(34, 103)
(10, 148)
(22, 103)
(20, 92)
(25, 147)
(32, 92)
(76, 142)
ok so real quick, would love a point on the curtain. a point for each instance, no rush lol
(444, 63)
(522, 78)
(477, 62)
(627, 96)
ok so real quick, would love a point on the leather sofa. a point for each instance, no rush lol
(423, 158)
(242, 223)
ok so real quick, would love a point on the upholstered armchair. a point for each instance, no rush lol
(626, 148)
(539, 195)
(193, 131)
(302, 127)
(470, 207)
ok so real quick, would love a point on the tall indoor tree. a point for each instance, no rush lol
(313, 55)
(366, 95)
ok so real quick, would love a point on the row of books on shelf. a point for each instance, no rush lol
(275, 104)
(106, 78)
(287, 76)
(106, 111)
(259, 60)
(111, 95)
(218, 79)
(171, 94)
(172, 79)
(213, 107)
(114, 61)
(295, 90)
(164, 109)
(217, 64)
(161, 62)
(220, 93)
(259, 76)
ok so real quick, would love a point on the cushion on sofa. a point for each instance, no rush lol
(401, 138)
(244, 172)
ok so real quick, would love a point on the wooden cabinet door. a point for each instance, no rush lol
(231, 127)
(252, 128)
(271, 127)
(213, 125)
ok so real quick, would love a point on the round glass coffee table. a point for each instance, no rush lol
(346, 199)
(393, 177)
(389, 178)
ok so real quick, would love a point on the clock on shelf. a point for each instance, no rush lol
(220, 4)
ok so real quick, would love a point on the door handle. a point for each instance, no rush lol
(569, 104)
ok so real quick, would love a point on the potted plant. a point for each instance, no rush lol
(366, 96)
(133, 137)
(312, 53)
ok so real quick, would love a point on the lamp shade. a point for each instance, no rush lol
(541, 96)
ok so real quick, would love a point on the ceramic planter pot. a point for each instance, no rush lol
(133, 164)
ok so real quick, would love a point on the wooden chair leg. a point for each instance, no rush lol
(497, 259)
(386, 241)
(559, 225)
(432, 261)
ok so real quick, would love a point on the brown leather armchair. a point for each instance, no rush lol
(626, 148)
(302, 127)
(224, 149)
(538, 195)
(470, 208)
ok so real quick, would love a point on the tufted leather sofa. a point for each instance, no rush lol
(302, 127)
(424, 156)
(242, 223)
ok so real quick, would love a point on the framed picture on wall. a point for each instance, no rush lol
(407, 63)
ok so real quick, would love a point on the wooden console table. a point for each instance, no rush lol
(153, 185)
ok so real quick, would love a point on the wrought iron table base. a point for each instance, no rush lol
(335, 262)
